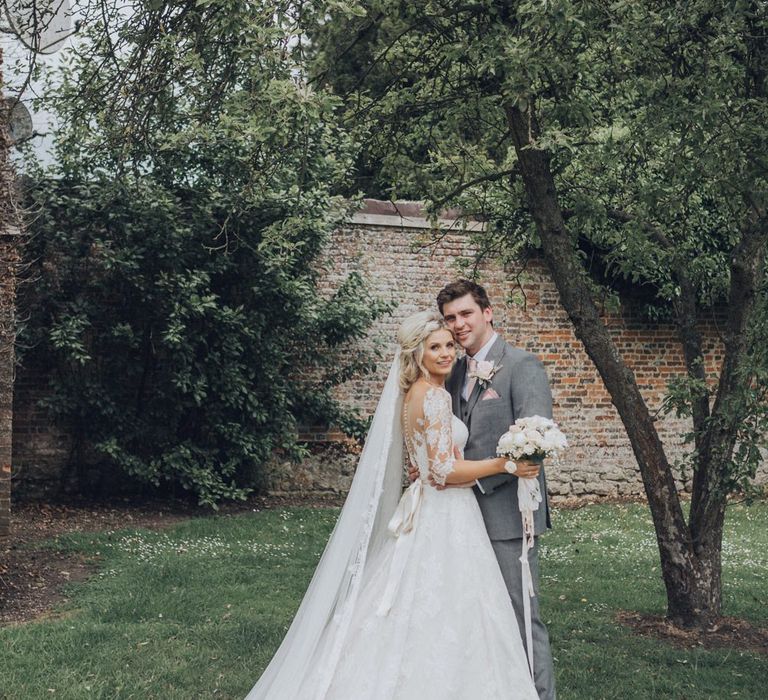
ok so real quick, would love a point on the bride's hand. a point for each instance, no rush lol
(526, 469)
(413, 473)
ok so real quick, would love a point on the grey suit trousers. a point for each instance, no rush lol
(508, 553)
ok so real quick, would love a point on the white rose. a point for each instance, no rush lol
(519, 439)
(506, 444)
(484, 370)
(550, 442)
(534, 436)
(529, 448)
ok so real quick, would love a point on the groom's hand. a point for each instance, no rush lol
(527, 469)
(442, 487)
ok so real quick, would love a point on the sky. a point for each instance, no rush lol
(16, 64)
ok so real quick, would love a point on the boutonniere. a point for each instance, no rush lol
(484, 372)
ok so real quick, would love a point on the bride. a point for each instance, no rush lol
(407, 602)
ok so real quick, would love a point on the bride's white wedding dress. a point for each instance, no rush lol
(434, 619)
(431, 618)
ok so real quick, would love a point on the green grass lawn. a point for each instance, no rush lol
(196, 611)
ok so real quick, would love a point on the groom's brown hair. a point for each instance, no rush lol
(460, 288)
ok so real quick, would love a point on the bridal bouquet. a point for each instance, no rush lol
(533, 438)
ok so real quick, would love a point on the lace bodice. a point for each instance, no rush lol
(432, 432)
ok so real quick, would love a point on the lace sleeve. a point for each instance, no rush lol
(438, 433)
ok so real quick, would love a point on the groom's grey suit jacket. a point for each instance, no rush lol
(523, 389)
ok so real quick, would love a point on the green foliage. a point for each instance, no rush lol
(751, 404)
(642, 106)
(176, 250)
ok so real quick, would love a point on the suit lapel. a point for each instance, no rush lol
(494, 355)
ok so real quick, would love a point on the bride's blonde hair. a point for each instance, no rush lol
(411, 336)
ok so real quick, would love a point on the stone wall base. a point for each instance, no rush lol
(613, 474)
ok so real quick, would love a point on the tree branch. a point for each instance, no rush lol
(463, 187)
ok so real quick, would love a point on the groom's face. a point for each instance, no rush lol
(470, 324)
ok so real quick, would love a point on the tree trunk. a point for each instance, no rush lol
(692, 580)
(717, 445)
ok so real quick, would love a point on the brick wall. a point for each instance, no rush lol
(41, 451)
(386, 248)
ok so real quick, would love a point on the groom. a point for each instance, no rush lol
(508, 384)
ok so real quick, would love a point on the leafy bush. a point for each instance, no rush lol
(176, 250)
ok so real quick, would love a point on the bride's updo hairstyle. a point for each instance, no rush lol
(411, 336)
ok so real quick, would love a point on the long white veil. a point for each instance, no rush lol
(304, 665)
